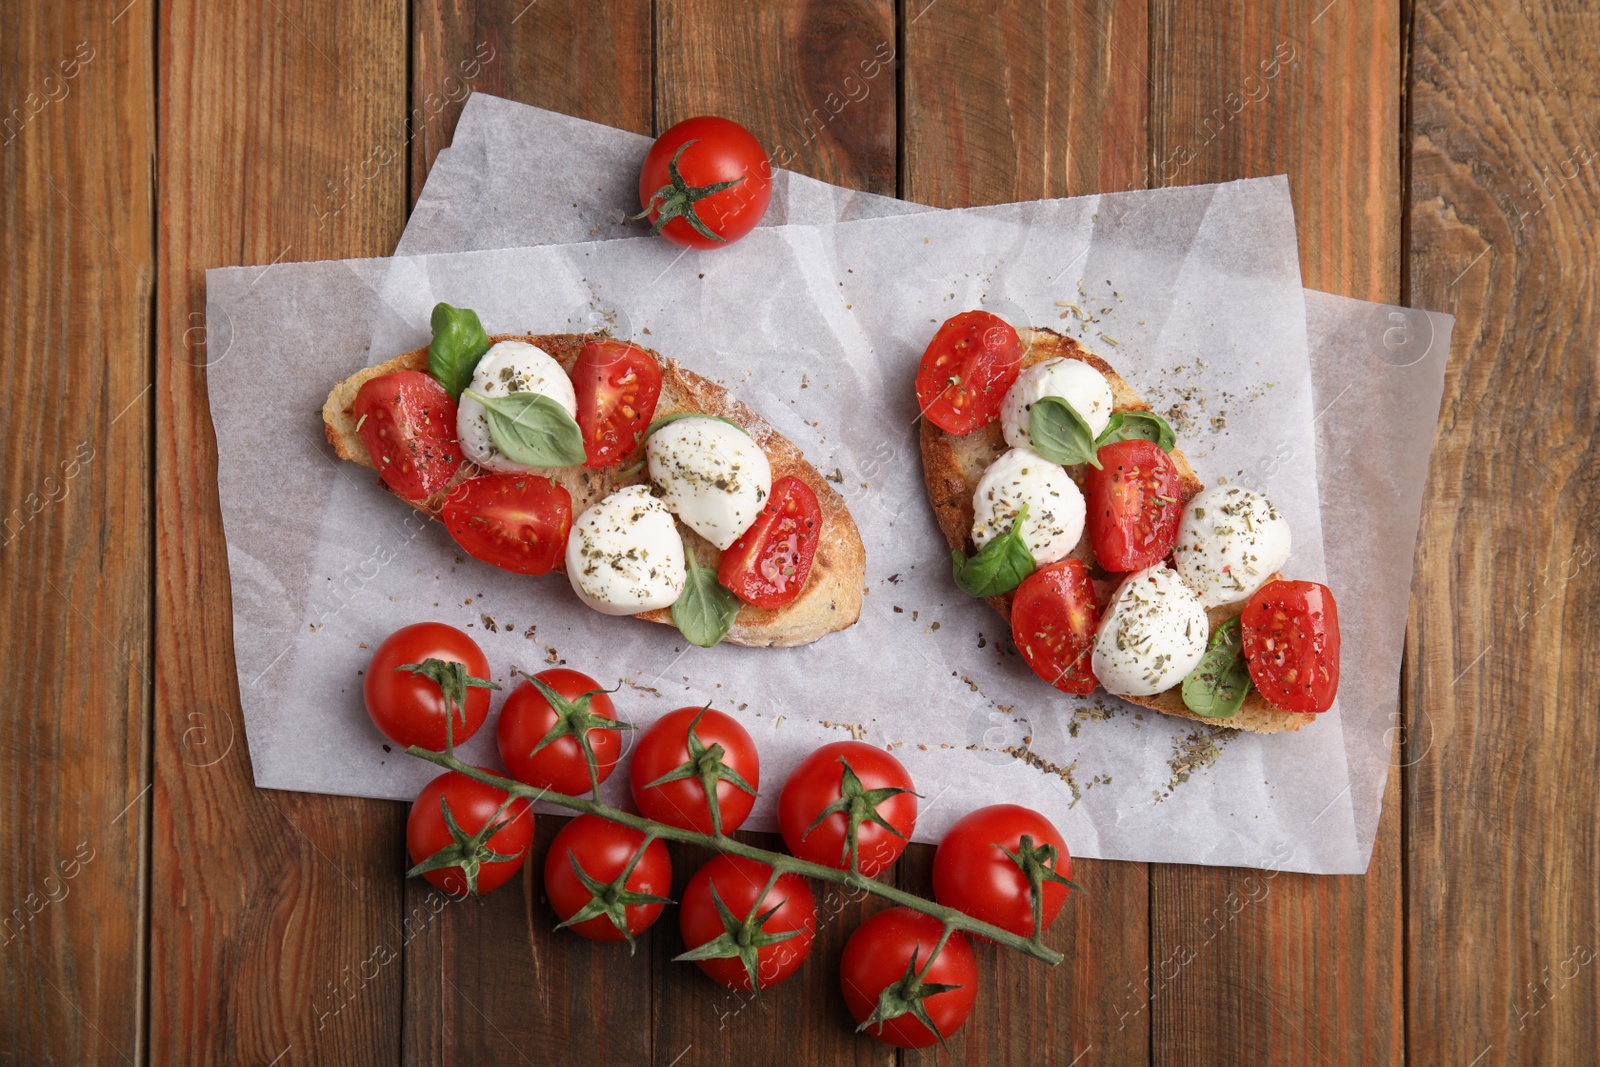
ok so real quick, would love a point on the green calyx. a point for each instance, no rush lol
(1038, 866)
(859, 805)
(575, 720)
(612, 899)
(907, 996)
(744, 938)
(453, 681)
(705, 765)
(676, 199)
(467, 851)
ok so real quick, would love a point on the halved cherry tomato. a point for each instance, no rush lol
(617, 386)
(770, 561)
(408, 423)
(518, 522)
(1291, 645)
(1133, 505)
(965, 372)
(1053, 621)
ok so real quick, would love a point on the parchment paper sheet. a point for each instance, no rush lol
(822, 326)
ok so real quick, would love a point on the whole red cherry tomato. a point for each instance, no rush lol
(486, 843)
(1291, 645)
(982, 867)
(583, 717)
(705, 182)
(606, 907)
(406, 682)
(408, 423)
(878, 956)
(739, 944)
(845, 783)
(1053, 621)
(965, 372)
(673, 755)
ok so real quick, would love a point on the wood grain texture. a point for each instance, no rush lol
(274, 916)
(814, 81)
(1017, 101)
(76, 144)
(1503, 909)
(494, 981)
(1294, 968)
(1003, 102)
(589, 58)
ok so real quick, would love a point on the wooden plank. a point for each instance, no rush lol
(1285, 968)
(1502, 901)
(76, 143)
(1011, 101)
(590, 59)
(275, 916)
(494, 982)
(813, 81)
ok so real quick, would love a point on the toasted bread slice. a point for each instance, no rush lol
(831, 599)
(952, 465)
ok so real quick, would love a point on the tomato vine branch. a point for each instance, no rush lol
(780, 862)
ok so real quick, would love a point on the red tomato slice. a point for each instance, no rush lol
(1053, 620)
(1291, 645)
(768, 565)
(617, 387)
(1133, 504)
(965, 372)
(518, 522)
(408, 423)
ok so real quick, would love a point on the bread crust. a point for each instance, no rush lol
(952, 465)
(831, 599)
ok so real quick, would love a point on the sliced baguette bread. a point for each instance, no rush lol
(831, 599)
(953, 464)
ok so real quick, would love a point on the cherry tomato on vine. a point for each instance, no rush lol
(985, 867)
(1291, 644)
(617, 386)
(705, 182)
(845, 783)
(1133, 503)
(599, 903)
(1053, 621)
(739, 935)
(581, 716)
(465, 836)
(408, 423)
(965, 372)
(517, 522)
(769, 563)
(678, 754)
(892, 949)
(408, 705)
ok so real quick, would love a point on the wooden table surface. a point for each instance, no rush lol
(156, 907)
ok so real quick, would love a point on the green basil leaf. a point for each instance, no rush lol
(1138, 425)
(532, 429)
(999, 567)
(458, 343)
(1217, 686)
(704, 612)
(663, 420)
(1060, 434)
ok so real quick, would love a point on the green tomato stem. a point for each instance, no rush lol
(953, 919)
